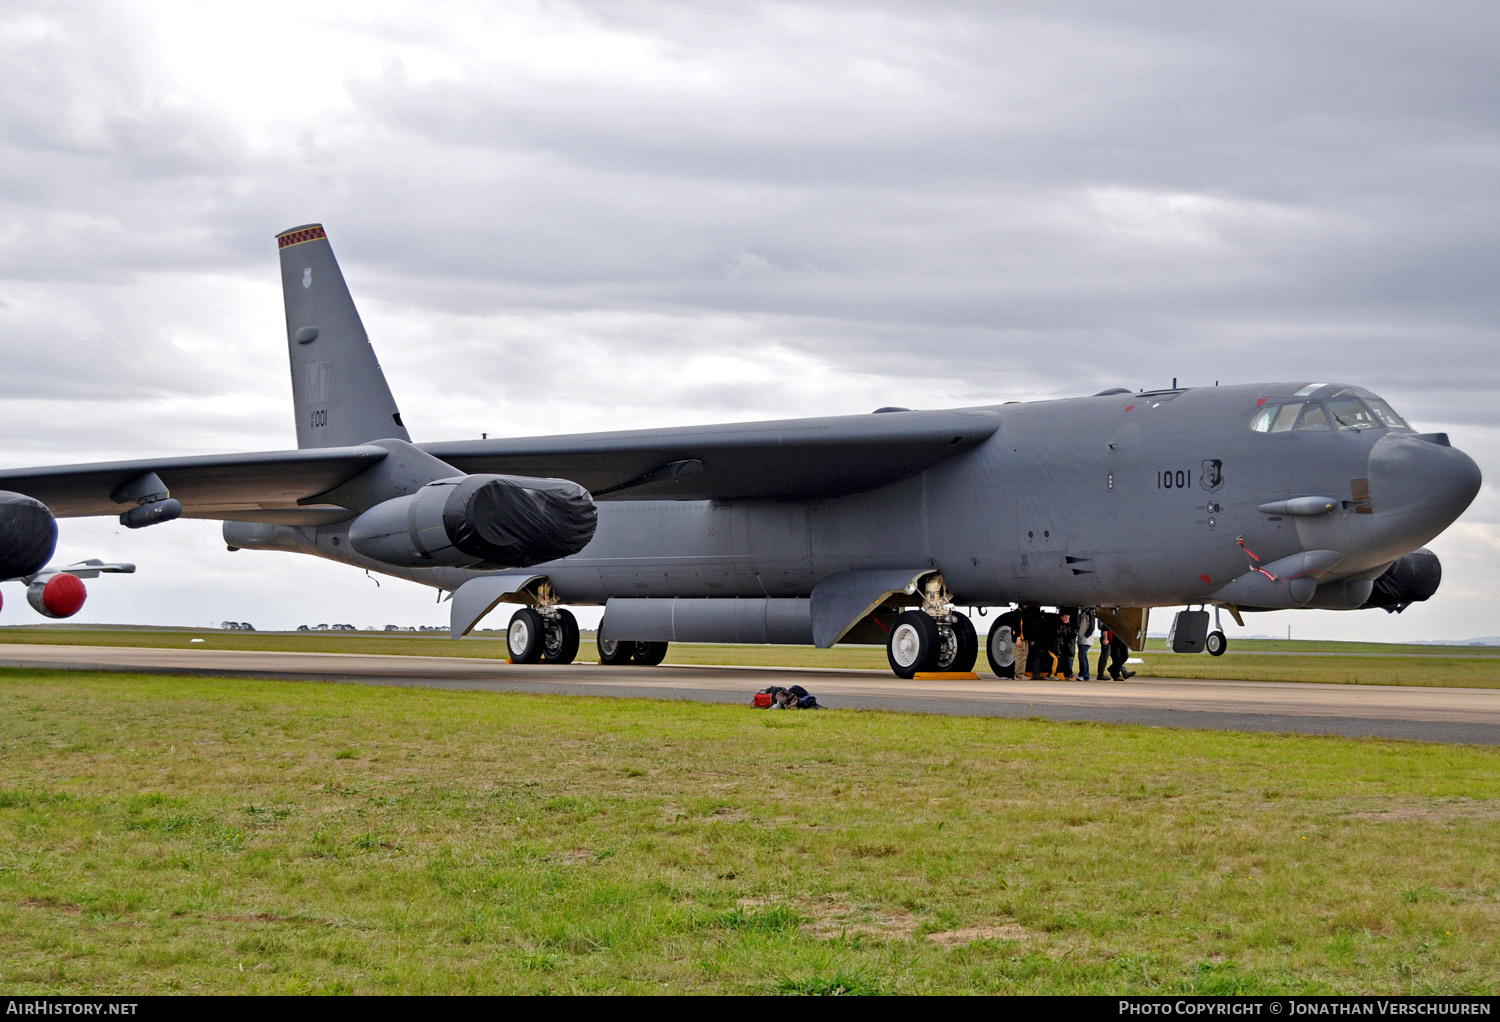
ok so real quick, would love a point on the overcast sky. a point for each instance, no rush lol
(559, 217)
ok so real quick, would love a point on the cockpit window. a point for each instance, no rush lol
(1275, 418)
(1286, 418)
(1386, 414)
(1343, 410)
(1351, 413)
(1313, 417)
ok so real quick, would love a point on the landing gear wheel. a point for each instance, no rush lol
(913, 644)
(958, 646)
(560, 638)
(1001, 652)
(649, 654)
(524, 636)
(612, 652)
(1217, 643)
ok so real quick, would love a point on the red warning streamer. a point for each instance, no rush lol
(1255, 561)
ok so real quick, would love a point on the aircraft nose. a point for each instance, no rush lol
(1420, 484)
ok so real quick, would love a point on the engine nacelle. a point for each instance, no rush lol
(1411, 579)
(28, 534)
(478, 521)
(59, 595)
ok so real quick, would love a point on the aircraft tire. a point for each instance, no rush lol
(994, 650)
(965, 649)
(524, 636)
(613, 653)
(649, 654)
(560, 640)
(1217, 643)
(913, 644)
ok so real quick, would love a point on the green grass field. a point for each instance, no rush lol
(205, 835)
(1327, 662)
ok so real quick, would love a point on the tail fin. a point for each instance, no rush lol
(339, 393)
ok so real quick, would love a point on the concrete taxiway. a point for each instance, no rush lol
(1455, 715)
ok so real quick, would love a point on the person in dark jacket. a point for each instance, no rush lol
(1041, 661)
(1067, 639)
(1114, 650)
(1030, 633)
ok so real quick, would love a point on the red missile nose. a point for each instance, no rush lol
(63, 595)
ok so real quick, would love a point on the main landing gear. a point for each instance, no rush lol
(935, 638)
(547, 633)
(614, 652)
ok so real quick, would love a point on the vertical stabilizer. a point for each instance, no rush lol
(339, 393)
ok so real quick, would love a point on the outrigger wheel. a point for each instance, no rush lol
(913, 644)
(524, 636)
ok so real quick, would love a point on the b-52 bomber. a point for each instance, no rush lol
(857, 529)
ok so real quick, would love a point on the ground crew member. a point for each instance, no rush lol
(1116, 653)
(1086, 625)
(1042, 661)
(1031, 634)
(1067, 639)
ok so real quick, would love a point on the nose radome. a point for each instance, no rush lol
(1421, 483)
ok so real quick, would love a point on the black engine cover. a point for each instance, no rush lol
(514, 521)
(479, 521)
(1411, 579)
(28, 534)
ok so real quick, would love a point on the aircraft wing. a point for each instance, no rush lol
(786, 459)
(262, 486)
